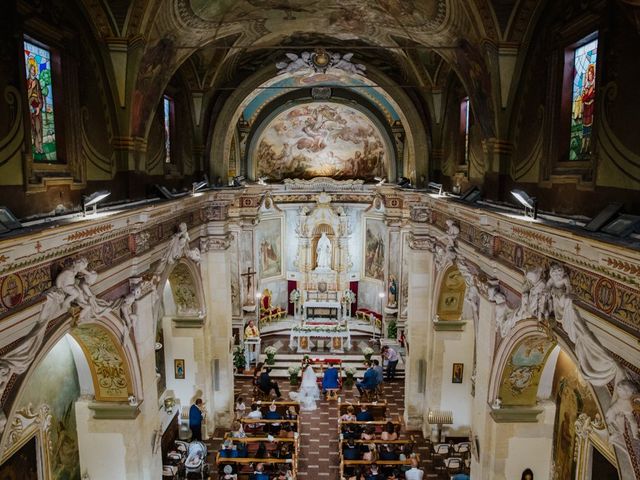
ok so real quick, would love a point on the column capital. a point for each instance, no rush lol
(215, 242)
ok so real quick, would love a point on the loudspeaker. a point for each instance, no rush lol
(422, 369)
(216, 374)
(602, 218)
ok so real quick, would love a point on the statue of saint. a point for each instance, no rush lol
(323, 253)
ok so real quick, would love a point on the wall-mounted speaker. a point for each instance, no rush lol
(422, 370)
(216, 374)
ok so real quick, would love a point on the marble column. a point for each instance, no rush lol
(115, 440)
(216, 274)
(418, 333)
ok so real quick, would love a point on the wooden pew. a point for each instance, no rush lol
(378, 424)
(381, 463)
(281, 407)
(377, 409)
(255, 424)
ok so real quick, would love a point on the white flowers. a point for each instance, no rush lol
(367, 351)
(294, 370)
(319, 328)
(348, 297)
(294, 296)
(350, 371)
(271, 350)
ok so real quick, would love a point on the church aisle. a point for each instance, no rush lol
(319, 456)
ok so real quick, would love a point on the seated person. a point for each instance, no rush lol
(266, 384)
(351, 451)
(370, 453)
(242, 451)
(369, 381)
(228, 473)
(273, 414)
(284, 450)
(364, 415)
(349, 416)
(288, 430)
(374, 474)
(255, 412)
(237, 431)
(350, 432)
(379, 371)
(226, 448)
(414, 473)
(240, 408)
(330, 379)
(283, 475)
(262, 451)
(259, 473)
(393, 475)
(389, 432)
(291, 413)
(369, 433)
(388, 452)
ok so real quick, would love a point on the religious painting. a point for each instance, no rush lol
(304, 343)
(336, 343)
(269, 242)
(457, 371)
(22, 465)
(235, 277)
(451, 297)
(37, 60)
(521, 375)
(178, 368)
(583, 100)
(374, 249)
(12, 290)
(573, 396)
(54, 385)
(320, 139)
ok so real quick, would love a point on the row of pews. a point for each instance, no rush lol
(386, 448)
(263, 449)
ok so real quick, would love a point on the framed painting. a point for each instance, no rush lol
(23, 464)
(269, 246)
(178, 368)
(457, 372)
(374, 249)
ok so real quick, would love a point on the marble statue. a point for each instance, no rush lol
(620, 412)
(505, 318)
(535, 297)
(323, 252)
(127, 310)
(178, 248)
(75, 282)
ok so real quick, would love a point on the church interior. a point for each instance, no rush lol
(287, 239)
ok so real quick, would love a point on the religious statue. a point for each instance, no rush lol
(392, 297)
(178, 248)
(323, 252)
(127, 310)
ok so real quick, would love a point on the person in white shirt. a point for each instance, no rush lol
(414, 473)
(240, 408)
(392, 361)
(255, 411)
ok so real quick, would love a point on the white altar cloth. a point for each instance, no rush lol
(319, 331)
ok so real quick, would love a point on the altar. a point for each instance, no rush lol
(301, 335)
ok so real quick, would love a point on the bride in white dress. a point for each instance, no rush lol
(309, 391)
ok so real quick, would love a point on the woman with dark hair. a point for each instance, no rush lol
(527, 474)
(389, 432)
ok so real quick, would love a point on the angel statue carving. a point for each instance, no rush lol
(323, 252)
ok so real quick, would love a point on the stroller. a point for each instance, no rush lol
(196, 461)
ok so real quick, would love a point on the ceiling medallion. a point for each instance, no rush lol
(319, 61)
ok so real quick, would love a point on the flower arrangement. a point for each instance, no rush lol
(348, 297)
(293, 374)
(367, 352)
(350, 373)
(319, 328)
(294, 296)
(270, 352)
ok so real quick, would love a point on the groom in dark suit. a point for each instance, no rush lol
(266, 384)
(369, 381)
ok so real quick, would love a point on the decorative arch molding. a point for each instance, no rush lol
(190, 292)
(219, 142)
(450, 294)
(107, 359)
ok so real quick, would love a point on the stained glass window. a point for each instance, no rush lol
(464, 129)
(583, 100)
(167, 104)
(37, 61)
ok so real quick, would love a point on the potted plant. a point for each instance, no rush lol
(239, 361)
(270, 352)
(293, 374)
(367, 352)
(349, 379)
(392, 329)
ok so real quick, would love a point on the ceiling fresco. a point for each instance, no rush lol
(320, 139)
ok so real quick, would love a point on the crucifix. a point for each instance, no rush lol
(249, 297)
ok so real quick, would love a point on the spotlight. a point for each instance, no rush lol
(198, 186)
(93, 200)
(472, 195)
(434, 187)
(239, 181)
(530, 204)
(380, 180)
(8, 221)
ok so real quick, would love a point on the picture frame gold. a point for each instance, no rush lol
(178, 368)
(457, 373)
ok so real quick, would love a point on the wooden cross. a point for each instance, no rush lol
(249, 274)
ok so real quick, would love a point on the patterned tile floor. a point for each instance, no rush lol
(319, 436)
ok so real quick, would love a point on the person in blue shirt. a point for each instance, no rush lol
(330, 379)
(259, 473)
(195, 420)
(379, 371)
(273, 414)
(350, 451)
(460, 476)
(364, 415)
(368, 381)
